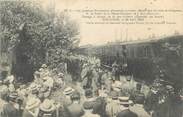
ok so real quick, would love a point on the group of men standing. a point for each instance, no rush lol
(100, 95)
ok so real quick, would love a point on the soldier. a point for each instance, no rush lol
(124, 108)
(115, 71)
(108, 82)
(89, 76)
(75, 109)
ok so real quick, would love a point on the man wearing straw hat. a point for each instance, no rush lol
(68, 92)
(113, 106)
(124, 107)
(47, 109)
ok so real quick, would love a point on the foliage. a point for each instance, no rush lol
(169, 65)
(36, 35)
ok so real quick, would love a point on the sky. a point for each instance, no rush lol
(98, 34)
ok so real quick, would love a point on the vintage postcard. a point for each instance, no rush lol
(91, 58)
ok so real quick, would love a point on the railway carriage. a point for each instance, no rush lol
(146, 59)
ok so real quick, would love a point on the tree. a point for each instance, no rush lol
(34, 37)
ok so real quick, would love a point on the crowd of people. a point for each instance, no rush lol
(100, 93)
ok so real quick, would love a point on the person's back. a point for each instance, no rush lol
(126, 113)
(88, 108)
(89, 114)
(112, 108)
(9, 111)
(99, 107)
(75, 110)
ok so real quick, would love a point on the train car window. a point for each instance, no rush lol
(147, 52)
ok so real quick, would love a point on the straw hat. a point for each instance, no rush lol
(13, 96)
(33, 87)
(124, 100)
(47, 106)
(68, 91)
(32, 103)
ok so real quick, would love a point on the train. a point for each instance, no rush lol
(145, 59)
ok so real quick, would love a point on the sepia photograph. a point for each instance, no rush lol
(91, 58)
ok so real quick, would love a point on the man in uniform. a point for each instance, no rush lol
(89, 76)
(115, 71)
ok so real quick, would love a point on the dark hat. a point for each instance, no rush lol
(88, 105)
(88, 93)
(75, 95)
